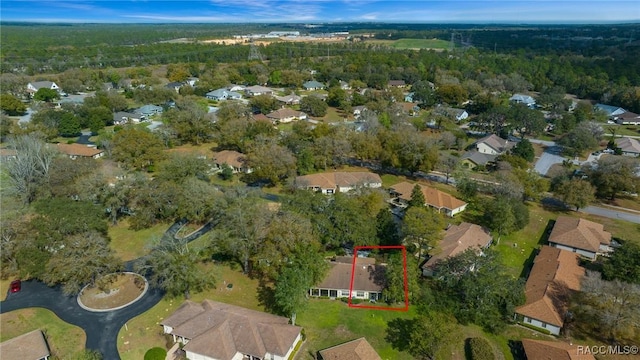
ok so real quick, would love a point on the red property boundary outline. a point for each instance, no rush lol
(406, 281)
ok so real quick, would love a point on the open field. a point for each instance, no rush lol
(628, 130)
(130, 244)
(421, 44)
(65, 340)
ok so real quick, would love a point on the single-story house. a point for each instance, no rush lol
(473, 159)
(29, 346)
(628, 118)
(213, 330)
(331, 182)
(368, 279)
(33, 87)
(75, 151)
(358, 349)
(192, 81)
(629, 146)
(286, 115)
(523, 99)
(344, 85)
(149, 110)
(358, 110)
(457, 239)
(555, 274)
(584, 237)
(553, 350)
(123, 117)
(409, 97)
(452, 113)
(236, 160)
(260, 117)
(257, 90)
(493, 145)
(396, 83)
(175, 86)
(434, 198)
(610, 110)
(291, 99)
(223, 94)
(313, 85)
(236, 88)
(107, 86)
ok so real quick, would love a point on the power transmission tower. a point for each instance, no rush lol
(254, 53)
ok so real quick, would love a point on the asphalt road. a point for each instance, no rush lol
(612, 214)
(549, 157)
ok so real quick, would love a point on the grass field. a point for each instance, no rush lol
(629, 130)
(421, 44)
(65, 340)
(130, 244)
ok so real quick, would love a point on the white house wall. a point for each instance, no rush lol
(555, 330)
(585, 253)
(485, 149)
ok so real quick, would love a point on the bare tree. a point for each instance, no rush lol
(30, 167)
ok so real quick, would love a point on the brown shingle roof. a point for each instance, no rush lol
(496, 142)
(555, 272)
(367, 277)
(629, 145)
(29, 346)
(285, 113)
(229, 157)
(579, 233)
(358, 349)
(433, 197)
(330, 180)
(78, 150)
(221, 330)
(552, 350)
(460, 238)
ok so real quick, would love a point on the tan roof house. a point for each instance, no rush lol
(368, 279)
(29, 346)
(584, 237)
(236, 160)
(75, 151)
(213, 330)
(629, 146)
(434, 198)
(258, 90)
(553, 350)
(555, 274)
(458, 239)
(493, 145)
(332, 182)
(286, 115)
(358, 349)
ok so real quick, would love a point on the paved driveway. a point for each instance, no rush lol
(549, 157)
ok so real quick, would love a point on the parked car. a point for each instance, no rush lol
(16, 285)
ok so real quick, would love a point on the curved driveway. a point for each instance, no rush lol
(101, 328)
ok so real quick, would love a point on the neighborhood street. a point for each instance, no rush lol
(612, 213)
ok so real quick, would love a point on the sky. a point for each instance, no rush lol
(314, 11)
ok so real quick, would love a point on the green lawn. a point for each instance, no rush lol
(630, 130)
(65, 340)
(421, 44)
(130, 244)
(331, 322)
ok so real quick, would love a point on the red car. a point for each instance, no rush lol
(16, 285)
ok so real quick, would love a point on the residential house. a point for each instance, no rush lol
(260, 117)
(628, 118)
(107, 86)
(583, 237)
(457, 239)
(236, 88)
(234, 159)
(291, 99)
(629, 146)
(175, 86)
(535, 349)
(149, 110)
(475, 159)
(29, 346)
(75, 151)
(344, 85)
(358, 110)
(358, 349)
(33, 87)
(493, 145)
(441, 201)
(223, 94)
(409, 97)
(523, 99)
(123, 117)
(331, 182)
(313, 85)
(257, 90)
(192, 81)
(213, 330)
(452, 113)
(609, 110)
(286, 115)
(397, 83)
(8, 154)
(555, 274)
(368, 279)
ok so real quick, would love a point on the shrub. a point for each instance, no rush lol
(155, 353)
(479, 349)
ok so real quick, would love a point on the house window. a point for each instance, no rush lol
(544, 325)
(333, 293)
(360, 294)
(324, 292)
(315, 292)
